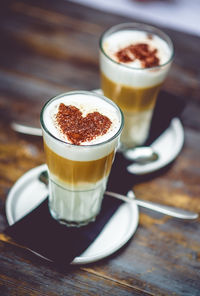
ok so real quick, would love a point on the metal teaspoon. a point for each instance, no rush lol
(141, 155)
(167, 210)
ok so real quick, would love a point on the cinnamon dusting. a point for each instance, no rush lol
(140, 51)
(149, 36)
(80, 129)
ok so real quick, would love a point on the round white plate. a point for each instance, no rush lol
(22, 198)
(168, 146)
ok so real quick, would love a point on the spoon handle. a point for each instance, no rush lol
(25, 129)
(170, 211)
(167, 210)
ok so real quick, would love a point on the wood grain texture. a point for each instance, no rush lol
(49, 47)
(33, 276)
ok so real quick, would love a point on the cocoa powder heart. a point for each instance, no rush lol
(140, 51)
(80, 129)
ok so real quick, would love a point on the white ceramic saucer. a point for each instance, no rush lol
(28, 192)
(168, 146)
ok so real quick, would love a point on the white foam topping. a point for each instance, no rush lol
(146, 77)
(122, 39)
(86, 103)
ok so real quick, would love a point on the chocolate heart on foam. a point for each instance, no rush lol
(79, 129)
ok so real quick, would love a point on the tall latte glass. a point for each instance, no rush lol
(134, 61)
(81, 132)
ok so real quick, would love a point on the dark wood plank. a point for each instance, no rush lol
(51, 48)
(22, 272)
(54, 33)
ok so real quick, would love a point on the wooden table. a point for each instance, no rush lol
(49, 47)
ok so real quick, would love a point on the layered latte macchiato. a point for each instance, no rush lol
(134, 61)
(81, 132)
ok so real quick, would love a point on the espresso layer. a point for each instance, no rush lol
(130, 99)
(75, 172)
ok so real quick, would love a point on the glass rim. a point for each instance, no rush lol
(140, 27)
(89, 93)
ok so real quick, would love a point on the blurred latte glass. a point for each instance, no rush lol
(133, 88)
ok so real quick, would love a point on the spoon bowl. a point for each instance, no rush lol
(141, 155)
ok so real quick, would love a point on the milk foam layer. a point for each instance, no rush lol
(87, 103)
(136, 128)
(132, 73)
(76, 206)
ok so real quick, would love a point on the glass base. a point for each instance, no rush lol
(75, 208)
(71, 223)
